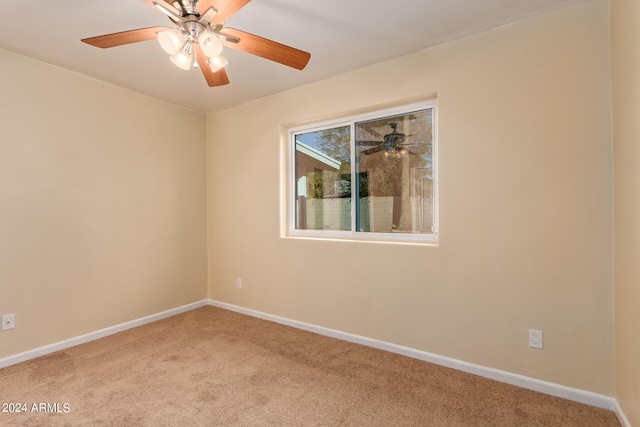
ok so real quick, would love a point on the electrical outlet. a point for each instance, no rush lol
(8, 322)
(239, 282)
(535, 338)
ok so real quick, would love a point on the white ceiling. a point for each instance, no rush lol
(341, 35)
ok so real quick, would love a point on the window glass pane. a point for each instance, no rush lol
(394, 174)
(323, 179)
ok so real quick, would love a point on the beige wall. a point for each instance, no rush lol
(102, 204)
(625, 54)
(525, 206)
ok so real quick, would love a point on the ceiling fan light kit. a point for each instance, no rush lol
(183, 59)
(199, 36)
(211, 45)
(170, 40)
(218, 62)
(179, 42)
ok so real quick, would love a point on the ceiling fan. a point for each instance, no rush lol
(199, 35)
(392, 144)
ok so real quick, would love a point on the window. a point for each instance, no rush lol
(366, 177)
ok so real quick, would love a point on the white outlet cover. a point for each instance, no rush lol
(535, 338)
(8, 322)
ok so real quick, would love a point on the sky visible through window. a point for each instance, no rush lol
(310, 139)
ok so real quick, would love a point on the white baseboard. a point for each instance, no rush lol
(552, 389)
(577, 395)
(624, 421)
(47, 349)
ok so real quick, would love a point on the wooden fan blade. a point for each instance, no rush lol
(368, 143)
(267, 49)
(225, 8)
(124, 37)
(371, 151)
(218, 78)
(203, 6)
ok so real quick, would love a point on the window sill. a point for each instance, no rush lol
(394, 238)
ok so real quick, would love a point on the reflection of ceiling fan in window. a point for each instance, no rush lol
(393, 144)
(199, 35)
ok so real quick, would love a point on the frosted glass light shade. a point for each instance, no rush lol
(171, 41)
(210, 44)
(182, 60)
(217, 63)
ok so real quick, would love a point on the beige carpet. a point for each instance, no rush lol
(218, 368)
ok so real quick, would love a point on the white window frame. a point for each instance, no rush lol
(353, 235)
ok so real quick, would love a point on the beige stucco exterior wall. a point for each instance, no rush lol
(525, 206)
(102, 204)
(625, 55)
